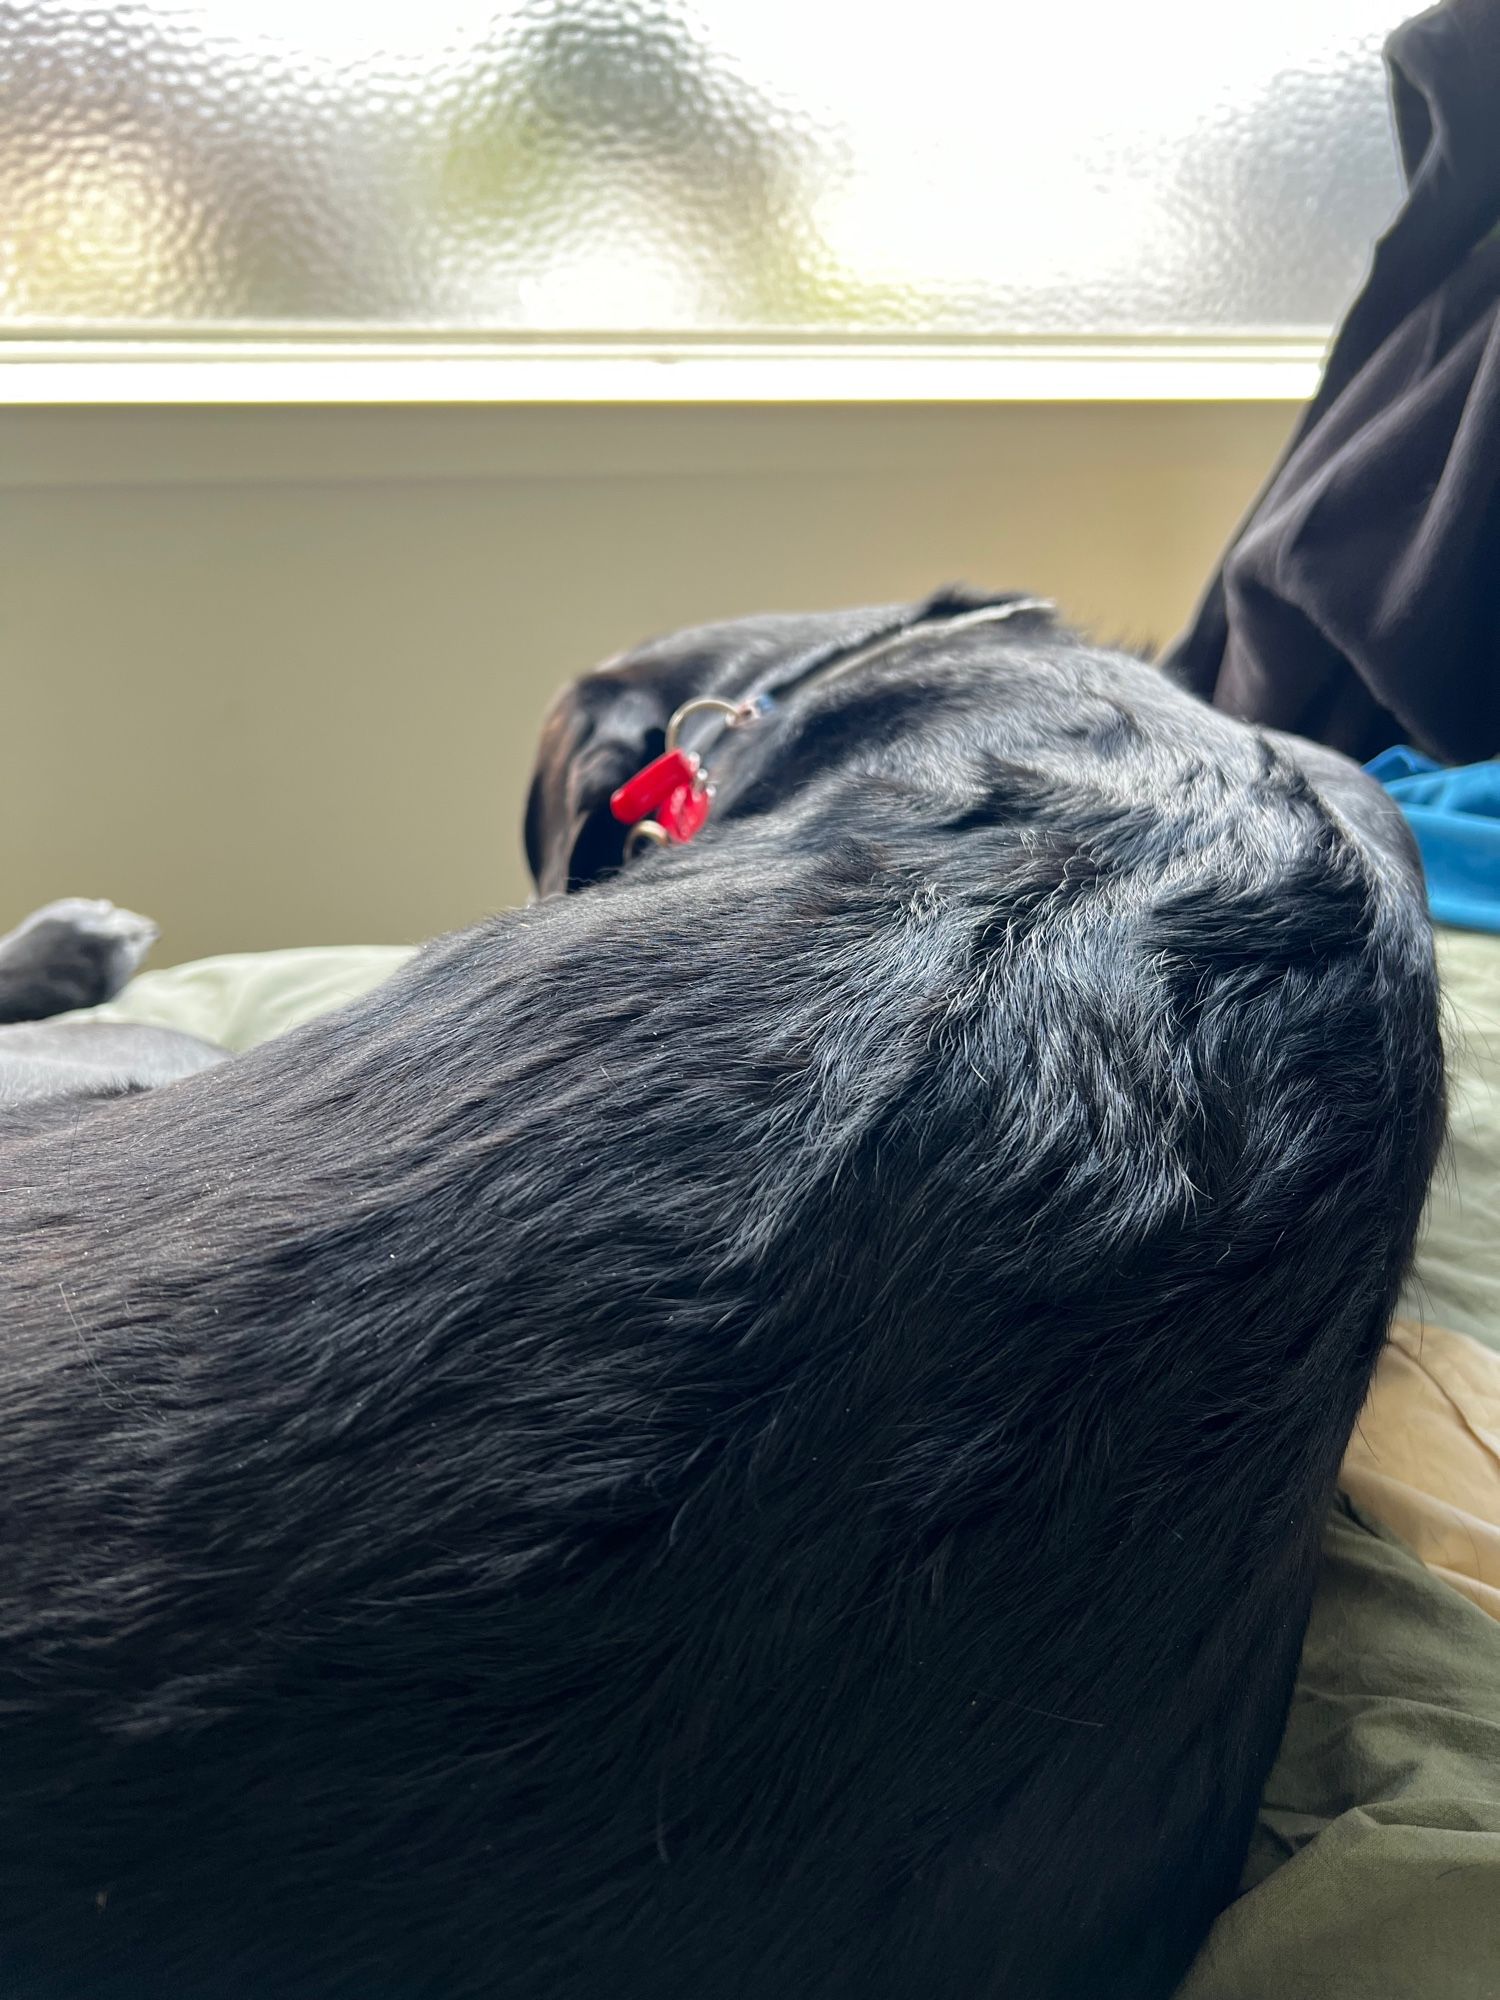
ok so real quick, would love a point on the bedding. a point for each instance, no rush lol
(1374, 1873)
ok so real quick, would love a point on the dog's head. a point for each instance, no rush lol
(604, 727)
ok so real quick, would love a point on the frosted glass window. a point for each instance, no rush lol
(961, 167)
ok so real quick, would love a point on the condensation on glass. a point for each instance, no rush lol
(638, 166)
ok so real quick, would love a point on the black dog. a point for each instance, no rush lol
(760, 1431)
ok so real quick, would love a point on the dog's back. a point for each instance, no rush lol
(761, 1431)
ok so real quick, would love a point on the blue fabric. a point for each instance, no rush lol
(1455, 816)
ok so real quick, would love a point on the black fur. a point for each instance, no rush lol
(70, 954)
(759, 1431)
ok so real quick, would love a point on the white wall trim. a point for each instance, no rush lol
(438, 369)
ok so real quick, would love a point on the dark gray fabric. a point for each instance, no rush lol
(1359, 604)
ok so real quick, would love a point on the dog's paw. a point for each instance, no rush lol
(110, 941)
(75, 953)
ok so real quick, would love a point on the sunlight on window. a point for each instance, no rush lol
(735, 167)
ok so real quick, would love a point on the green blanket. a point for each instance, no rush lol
(1457, 1279)
(1375, 1870)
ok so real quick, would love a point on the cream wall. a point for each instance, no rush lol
(274, 676)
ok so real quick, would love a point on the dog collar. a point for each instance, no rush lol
(667, 802)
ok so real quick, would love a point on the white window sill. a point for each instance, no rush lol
(232, 372)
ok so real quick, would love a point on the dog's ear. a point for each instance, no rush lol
(597, 733)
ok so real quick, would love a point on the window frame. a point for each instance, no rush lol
(242, 367)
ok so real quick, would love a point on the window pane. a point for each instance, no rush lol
(734, 166)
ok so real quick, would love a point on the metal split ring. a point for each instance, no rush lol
(733, 712)
(645, 833)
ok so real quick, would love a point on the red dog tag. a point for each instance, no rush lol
(682, 813)
(674, 771)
